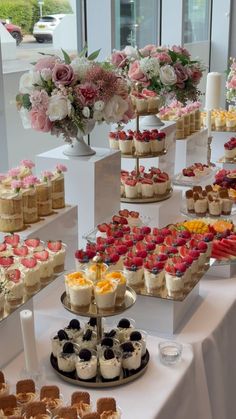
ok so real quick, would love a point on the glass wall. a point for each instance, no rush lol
(196, 15)
(136, 23)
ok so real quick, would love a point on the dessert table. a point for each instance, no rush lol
(201, 385)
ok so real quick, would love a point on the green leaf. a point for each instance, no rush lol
(83, 52)
(26, 101)
(94, 55)
(43, 53)
(66, 57)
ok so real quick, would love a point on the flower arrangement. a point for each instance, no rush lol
(231, 82)
(60, 95)
(169, 72)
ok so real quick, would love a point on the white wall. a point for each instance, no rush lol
(65, 34)
(8, 44)
(3, 135)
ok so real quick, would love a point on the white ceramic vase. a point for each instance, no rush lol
(78, 147)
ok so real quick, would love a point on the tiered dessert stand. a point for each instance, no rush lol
(137, 157)
(94, 312)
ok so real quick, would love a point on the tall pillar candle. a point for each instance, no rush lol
(213, 91)
(28, 335)
(209, 123)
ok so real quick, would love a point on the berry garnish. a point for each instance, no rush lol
(21, 251)
(68, 348)
(85, 354)
(110, 334)
(74, 324)
(127, 347)
(124, 323)
(62, 335)
(12, 239)
(108, 354)
(55, 245)
(29, 262)
(3, 247)
(135, 336)
(107, 342)
(42, 256)
(13, 275)
(92, 322)
(88, 335)
(6, 261)
(32, 242)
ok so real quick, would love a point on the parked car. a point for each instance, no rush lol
(43, 29)
(14, 30)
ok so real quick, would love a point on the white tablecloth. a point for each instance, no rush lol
(201, 386)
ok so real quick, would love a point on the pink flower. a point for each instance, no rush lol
(180, 50)
(194, 74)
(163, 57)
(39, 99)
(16, 185)
(86, 93)
(232, 83)
(27, 163)
(148, 50)
(30, 181)
(63, 74)
(14, 172)
(61, 168)
(47, 175)
(181, 74)
(119, 59)
(45, 62)
(39, 120)
(135, 74)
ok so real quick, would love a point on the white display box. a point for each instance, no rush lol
(92, 183)
(222, 271)
(160, 213)
(159, 315)
(192, 149)
(62, 225)
(10, 334)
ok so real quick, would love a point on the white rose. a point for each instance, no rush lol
(46, 74)
(24, 114)
(86, 112)
(28, 80)
(115, 109)
(167, 75)
(99, 105)
(58, 108)
(131, 52)
(98, 116)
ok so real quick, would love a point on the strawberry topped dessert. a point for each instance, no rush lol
(14, 288)
(46, 265)
(126, 142)
(57, 250)
(12, 240)
(230, 148)
(154, 275)
(30, 267)
(34, 245)
(174, 276)
(142, 142)
(133, 270)
(83, 257)
(114, 140)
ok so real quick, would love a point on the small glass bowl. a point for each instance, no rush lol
(170, 352)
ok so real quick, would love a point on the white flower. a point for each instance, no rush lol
(58, 108)
(86, 112)
(80, 66)
(98, 116)
(150, 66)
(131, 52)
(167, 75)
(99, 105)
(115, 109)
(28, 80)
(46, 74)
(24, 114)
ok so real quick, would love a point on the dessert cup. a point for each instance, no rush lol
(110, 363)
(86, 365)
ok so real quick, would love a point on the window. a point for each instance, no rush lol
(196, 15)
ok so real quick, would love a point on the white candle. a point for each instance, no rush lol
(209, 123)
(28, 335)
(213, 91)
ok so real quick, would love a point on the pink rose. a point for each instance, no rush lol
(194, 74)
(148, 50)
(232, 83)
(14, 172)
(119, 59)
(45, 62)
(39, 120)
(30, 181)
(86, 93)
(181, 74)
(163, 57)
(180, 50)
(63, 74)
(61, 168)
(135, 74)
(16, 185)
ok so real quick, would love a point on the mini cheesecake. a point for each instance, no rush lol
(30, 268)
(86, 365)
(113, 140)
(131, 355)
(154, 275)
(189, 201)
(124, 329)
(174, 277)
(74, 329)
(66, 358)
(91, 271)
(160, 185)
(80, 291)
(34, 245)
(58, 251)
(214, 206)
(71, 276)
(88, 340)
(14, 288)
(126, 144)
(139, 336)
(45, 261)
(58, 340)
(142, 143)
(110, 362)
(200, 205)
(105, 294)
(131, 188)
(226, 202)
(147, 188)
(133, 270)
